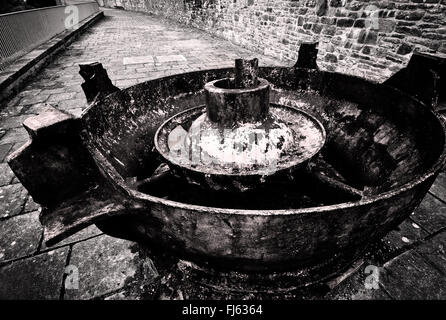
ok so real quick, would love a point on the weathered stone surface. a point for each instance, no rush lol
(136, 60)
(97, 83)
(52, 122)
(105, 265)
(84, 234)
(170, 58)
(4, 151)
(439, 186)
(278, 29)
(30, 205)
(33, 98)
(13, 122)
(406, 235)
(12, 199)
(404, 49)
(431, 214)
(6, 175)
(126, 28)
(20, 236)
(38, 277)
(354, 287)
(434, 251)
(409, 276)
(123, 295)
(14, 135)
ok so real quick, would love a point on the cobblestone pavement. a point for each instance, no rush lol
(134, 48)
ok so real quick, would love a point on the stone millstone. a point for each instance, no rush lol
(238, 135)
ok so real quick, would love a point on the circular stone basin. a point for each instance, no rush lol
(380, 141)
(196, 146)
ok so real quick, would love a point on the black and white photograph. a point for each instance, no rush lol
(224, 155)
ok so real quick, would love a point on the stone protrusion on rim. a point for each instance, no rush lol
(307, 55)
(97, 83)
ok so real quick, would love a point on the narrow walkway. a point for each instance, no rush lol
(134, 48)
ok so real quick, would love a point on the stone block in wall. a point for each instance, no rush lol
(412, 31)
(409, 15)
(345, 22)
(367, 37)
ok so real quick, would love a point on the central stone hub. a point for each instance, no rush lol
(229, 106)
(243, 99)
(237, 130)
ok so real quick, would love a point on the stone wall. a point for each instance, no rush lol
(371, 39)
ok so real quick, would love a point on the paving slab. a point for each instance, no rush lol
(82, 235)
(105, 265)
(4, 151)
(20, 236)
(410, 276)
(431, 214)
(6, 174)
(136, 47)
(137, 60)
(33, 98)
(12, 200)
(170, 58)
(38, 277)
(407, 234)
(439, 186)
(434, 251)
